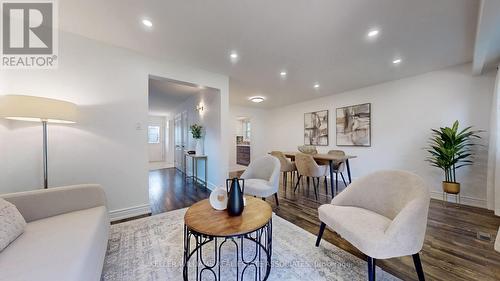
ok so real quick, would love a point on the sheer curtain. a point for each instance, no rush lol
(493, 188)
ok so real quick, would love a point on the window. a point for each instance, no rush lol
(154, 134)
(246, 129)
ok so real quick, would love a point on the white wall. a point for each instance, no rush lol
(210, 119)
(258, 139)
(403, 112)
(108, 145)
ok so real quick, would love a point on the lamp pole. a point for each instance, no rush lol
(45, 166)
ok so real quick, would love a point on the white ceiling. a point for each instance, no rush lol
(166, 95)
(315, 41)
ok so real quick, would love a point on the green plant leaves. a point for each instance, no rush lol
(450, 148)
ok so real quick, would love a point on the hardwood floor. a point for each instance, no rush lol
(451, 250)
(168, 191)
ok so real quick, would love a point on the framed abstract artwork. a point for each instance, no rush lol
(353, 125)
(316, 128)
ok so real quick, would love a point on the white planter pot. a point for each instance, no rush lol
(200, 150)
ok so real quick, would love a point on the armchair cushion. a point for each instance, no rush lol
(364, 229)
(259, 188)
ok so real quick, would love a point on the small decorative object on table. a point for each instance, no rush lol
(450, 149)
(196, 131)
(218, 199)
(235, 203)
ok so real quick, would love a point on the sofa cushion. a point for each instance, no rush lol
(12, 223)
(64, 247)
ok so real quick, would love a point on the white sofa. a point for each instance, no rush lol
(65, 239)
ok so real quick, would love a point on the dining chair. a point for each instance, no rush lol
(308, 149)
(307, 167)
(383, 214)
(338, 168)
(262, 177)
(287, 167)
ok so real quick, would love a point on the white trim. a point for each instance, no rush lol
(129, 212)
(466, 200)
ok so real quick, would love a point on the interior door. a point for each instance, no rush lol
(180, 137)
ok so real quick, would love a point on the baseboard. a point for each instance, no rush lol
(466, 200)
(129, 212)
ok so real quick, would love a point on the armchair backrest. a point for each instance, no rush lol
(285, 162)
(307, 166)
(265, 168)
(386, 193)
(340, 166)
(308, 149)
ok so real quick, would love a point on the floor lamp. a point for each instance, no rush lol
(38, 109)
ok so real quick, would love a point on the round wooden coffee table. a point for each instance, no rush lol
(205, 228)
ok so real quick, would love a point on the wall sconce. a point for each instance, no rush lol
(199, 108)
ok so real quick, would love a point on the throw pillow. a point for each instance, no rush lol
(12, 223)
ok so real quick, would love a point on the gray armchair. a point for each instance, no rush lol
(383, 214)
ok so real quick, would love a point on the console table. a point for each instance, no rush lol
(215, 242)
(194, 168)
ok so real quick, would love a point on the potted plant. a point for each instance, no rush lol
(450, 149)
(196, 131)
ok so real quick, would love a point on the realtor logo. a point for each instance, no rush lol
(28, 35)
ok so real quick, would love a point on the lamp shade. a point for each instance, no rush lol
(30, 108)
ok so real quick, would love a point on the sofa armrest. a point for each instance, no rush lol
(39, 204)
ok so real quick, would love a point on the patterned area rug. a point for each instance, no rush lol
(151, 249)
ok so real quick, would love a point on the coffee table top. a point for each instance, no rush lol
(202, 218)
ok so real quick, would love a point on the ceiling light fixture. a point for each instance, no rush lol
(257, 99)
(234, 56)
(373, 33)
(316, 86)
(283, 74)
(396, 61)
(147, 23)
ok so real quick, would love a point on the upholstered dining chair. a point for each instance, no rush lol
(307, 167)
(383, 214)
(262, 177)
(287, 167)
(307, 149)
(338, 168)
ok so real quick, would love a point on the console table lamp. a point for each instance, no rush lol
(38, 109)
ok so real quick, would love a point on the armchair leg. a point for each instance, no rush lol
(276, 199)
(320, 234)
(326, 186)
(371, 268)
(298, 182)
(418, 267)
(336, 182)
(315, 186)
(343, 179)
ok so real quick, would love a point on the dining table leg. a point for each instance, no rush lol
(330, 163)
(348, 170)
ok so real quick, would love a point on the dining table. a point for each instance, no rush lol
(330, 160)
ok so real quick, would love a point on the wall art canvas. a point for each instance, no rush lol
(316, 128)
(354, 125)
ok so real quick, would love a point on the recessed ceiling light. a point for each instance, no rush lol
(316, 86)
(234, 56)
(283, 74)
(396, 61)
(373, 33)
(147, 23)
(256, 99)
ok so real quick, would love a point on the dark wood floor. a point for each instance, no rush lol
(451, 251)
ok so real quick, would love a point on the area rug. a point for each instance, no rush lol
(151, 249)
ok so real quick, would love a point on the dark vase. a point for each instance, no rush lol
(235, 203)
